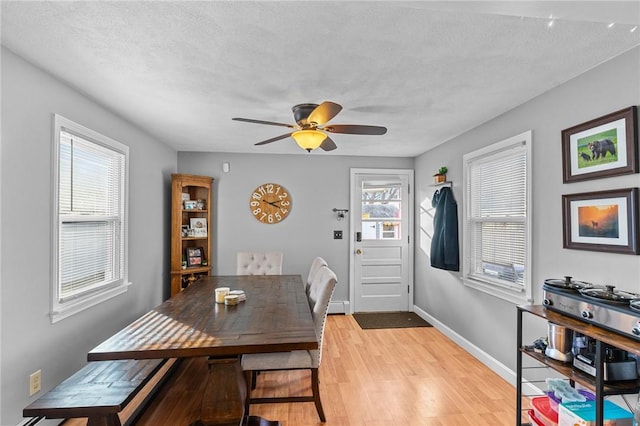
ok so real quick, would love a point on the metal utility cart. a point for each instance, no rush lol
(595, 384)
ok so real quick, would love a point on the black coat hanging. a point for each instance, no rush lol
(444, 244)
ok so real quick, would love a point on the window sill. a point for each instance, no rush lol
(62, 311)
(517, 297)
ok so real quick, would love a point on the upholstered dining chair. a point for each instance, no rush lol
(317, 263)
(320, 293)
(253, 263)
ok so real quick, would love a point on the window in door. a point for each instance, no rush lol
(497, 223)
(90, 226)
(381, 213)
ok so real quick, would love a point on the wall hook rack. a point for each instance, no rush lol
(445, 183)
(340, 213)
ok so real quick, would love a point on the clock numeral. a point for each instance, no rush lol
(263, 216)
(270, 218)
(255, 204)
(270, 188)
(284, 211)
(256, 196)
(278, 216)
(283, 195)
(285, 203)
(257, 211)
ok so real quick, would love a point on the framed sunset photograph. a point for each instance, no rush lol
(603, 147)
(602, 221)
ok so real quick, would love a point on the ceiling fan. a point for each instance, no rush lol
(311, 124)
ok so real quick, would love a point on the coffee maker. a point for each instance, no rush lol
(618, 365)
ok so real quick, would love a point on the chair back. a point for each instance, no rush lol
(320, 292)
(252, 263)
(317, 263)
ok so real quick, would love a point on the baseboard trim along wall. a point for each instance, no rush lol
(339, 307)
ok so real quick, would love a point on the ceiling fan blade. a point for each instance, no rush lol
(356, 129)
(328, 144)
(277, 138)
(324, 112)
(272, 123)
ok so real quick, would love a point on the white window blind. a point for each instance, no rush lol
(91, 216)
(496, 224)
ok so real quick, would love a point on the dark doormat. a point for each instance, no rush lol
(374, 320)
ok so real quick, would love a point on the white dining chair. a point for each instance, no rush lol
(320, 292)
(254, 263)
(317, 263)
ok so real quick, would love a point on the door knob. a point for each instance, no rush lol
(358, 251)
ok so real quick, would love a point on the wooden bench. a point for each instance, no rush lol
(107, 393)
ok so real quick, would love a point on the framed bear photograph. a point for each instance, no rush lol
(602, 147)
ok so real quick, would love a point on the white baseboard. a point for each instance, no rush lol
(339, 307)
(493, 364)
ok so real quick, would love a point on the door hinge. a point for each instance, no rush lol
(408, 239)
(408, 289)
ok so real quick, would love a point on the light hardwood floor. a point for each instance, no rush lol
(395, 377)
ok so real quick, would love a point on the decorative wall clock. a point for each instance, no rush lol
(270, 203)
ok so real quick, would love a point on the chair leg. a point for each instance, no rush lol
(254, 379)
(315, 387)
(249, 378)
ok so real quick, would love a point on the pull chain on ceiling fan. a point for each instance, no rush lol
(310, 126)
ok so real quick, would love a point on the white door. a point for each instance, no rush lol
(381, 267)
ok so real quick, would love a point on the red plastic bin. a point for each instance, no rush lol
(534, 419)
(543, 411)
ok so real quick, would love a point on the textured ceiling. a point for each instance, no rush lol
(428, 71)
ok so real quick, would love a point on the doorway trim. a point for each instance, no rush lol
(354, 173)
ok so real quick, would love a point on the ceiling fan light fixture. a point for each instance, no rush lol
(308, 139)
(310, 118)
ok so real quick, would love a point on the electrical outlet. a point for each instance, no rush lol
(35, 382)
(337, 235)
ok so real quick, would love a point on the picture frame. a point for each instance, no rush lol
(602, 147)
(199, 226)
(602, 221)
(194, 256)
(185, 231)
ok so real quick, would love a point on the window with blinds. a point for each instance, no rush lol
(497, 226)
(90, 196)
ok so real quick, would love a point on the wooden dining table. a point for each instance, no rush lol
(275, 317)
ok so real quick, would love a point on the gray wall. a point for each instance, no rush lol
(488, 322)
(317, 184)
(29, 341)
